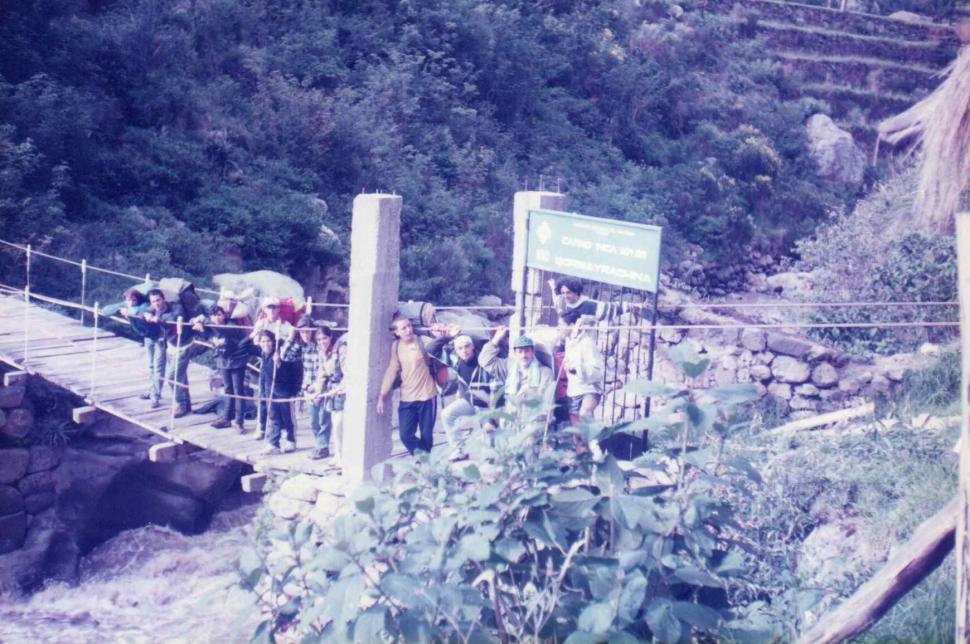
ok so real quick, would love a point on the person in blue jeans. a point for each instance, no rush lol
(133, 308)
(229, 352)
(321, 380)
(279, 380)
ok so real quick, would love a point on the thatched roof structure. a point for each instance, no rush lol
(939, 126)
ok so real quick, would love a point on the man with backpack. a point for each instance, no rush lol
(180, 347)
(475, 387)
(410, 361)
(523, 374)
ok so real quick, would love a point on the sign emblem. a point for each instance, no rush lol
(544, 232)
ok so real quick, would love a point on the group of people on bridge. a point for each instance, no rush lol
(303, 362)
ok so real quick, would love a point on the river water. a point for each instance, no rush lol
(146, 585)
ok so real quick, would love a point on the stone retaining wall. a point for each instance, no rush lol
(26, 473)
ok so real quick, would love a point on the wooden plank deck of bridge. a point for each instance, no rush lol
(59, 350)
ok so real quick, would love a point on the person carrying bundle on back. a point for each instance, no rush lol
(279, 381)
(133, 308)
(411, 361)
(524, 376)
(230, 353)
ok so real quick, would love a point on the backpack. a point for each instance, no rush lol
(421, 314)
(438, 369)
(182, 291)
(288, 311)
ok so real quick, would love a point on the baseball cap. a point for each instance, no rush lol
(523, 342)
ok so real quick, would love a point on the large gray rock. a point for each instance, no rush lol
(825, 375)
(19, 423)
(787, 369)
(808, 390)
(780, 390)
(13, 531)
(788, 345)
(790, 283)
(11, 500)
(753, 340)
(760, 372)
(42, 458)
(837, 155)
(36, 483)
(801, 403)
(13, 464)
(37, 503)
(12, 396)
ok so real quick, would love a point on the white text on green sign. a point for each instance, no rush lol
(604, 250)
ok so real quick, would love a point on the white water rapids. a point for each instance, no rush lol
(146, 585)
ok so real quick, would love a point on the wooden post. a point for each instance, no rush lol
(963, 517)
(375, 271)
(527, 288)
(926, 549)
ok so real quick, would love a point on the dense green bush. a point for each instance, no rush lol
(901, 263)
(528, 540)
(175, 138)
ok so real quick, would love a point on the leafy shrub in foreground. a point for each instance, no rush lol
(531, 539)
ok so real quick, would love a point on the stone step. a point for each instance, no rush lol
(858, 105)
(845, 21)
(872, 74)
(787, 37)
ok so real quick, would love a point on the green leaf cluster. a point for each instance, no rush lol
(532, 538)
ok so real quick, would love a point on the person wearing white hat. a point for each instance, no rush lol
(475, 387)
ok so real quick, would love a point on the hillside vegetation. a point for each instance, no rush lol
(202, 135)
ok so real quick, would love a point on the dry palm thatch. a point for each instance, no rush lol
(940, 124)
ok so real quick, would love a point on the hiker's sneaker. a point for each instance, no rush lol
(288, 446)
(156, 403)
(270, 450)
(320, 453)
(260, 434)
(145, 396)
(181, 411)
(241, 429)
(222, 423)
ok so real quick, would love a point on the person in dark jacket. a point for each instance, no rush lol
(229, 353)
(476, 387)
(166, 315)
(279, 380)
(132, 308)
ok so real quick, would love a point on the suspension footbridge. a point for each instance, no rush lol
(110, 373)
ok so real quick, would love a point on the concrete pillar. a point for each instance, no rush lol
(528, 301)
(375, 275)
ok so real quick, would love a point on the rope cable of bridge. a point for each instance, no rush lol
(645, 327)
(639, 305)
(94, 351)
(175, 370)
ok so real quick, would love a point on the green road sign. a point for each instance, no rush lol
(604, 250)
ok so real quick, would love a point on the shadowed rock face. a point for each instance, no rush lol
(105, 485)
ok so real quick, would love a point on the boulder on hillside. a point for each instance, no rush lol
(793, 283)
(837, 155)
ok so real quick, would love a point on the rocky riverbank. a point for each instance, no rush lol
(64, 491)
